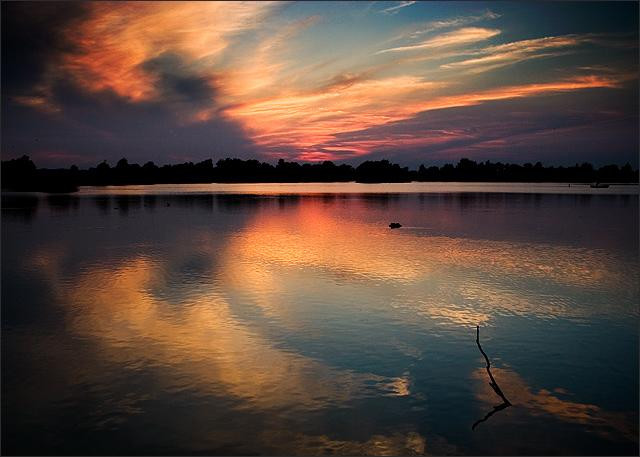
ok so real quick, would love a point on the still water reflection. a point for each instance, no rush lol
(206, 323)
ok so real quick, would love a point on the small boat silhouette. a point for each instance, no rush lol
(598, 185)
(395, 225)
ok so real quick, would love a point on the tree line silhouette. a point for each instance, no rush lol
(22, 174)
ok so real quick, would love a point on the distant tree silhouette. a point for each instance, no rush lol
(103, 166)
(18, 173)
(381, 171)
(21, 174)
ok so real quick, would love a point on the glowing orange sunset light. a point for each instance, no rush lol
(294, 90)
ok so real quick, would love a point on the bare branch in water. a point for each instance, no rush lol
(494, 385)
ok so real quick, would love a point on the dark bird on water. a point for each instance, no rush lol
(395, 225)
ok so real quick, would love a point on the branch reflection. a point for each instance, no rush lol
(494, 385)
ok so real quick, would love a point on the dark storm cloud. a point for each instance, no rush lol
(89, 127)
(103, 126)
(32, 37)
(177, 82)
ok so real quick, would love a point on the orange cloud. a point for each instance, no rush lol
(509, 53)
(261, 68)
(307, 120)
(446, 23)
(527, 90)
(310, 122)
(455, 38)
(39, 102)
(119, 37)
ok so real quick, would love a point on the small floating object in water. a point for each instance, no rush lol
(395, 225)
(599, 185)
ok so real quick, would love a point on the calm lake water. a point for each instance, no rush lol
(289, 319)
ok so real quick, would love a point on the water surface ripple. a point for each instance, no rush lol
(281, 319)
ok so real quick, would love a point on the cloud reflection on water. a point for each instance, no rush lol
(544, 402)
(474, 278)
(191, 310)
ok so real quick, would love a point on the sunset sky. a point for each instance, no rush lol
(414, 82)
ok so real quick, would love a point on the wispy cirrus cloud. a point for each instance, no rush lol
(312, 122)
(509, 53)
(493, 57)
(394, 9)
(459, 21)
(262, 70)
(457, 37)
(305, 120)
(38, 102)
